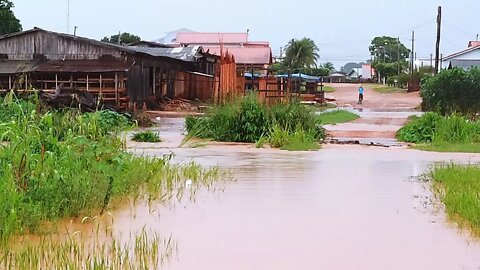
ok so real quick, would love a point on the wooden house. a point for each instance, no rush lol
(119, 75)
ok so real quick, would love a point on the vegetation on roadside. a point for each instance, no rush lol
(434, 132)
(146, 136)
(458, 187)
(58, 164)
(337, 117)
(386, 89)
(453, 91)
(328, 89)
(248, 120)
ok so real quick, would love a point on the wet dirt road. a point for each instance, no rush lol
(381, 115)
(343, 207)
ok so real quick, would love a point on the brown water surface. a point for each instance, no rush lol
(343, 207)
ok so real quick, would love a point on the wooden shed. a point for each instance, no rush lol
(119, 75)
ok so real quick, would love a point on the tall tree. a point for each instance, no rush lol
(8, 22)
(389, 55)
(125, 38)
(301, 54)
(387, 49)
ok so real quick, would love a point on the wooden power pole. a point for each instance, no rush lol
(437, 47)
(412, 65)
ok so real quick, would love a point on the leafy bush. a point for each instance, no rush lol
(453, 91)
(146, 136)
(433, 128)
(247, 120)
(419, 129)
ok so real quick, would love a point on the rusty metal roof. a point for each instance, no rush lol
(14, 66)
(187, 54)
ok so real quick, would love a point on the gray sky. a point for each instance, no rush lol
(342, 30)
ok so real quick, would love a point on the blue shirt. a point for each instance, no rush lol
(360, 90)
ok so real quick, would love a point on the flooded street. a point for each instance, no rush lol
(343, 207)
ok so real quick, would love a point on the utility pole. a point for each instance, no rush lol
(437, 47)
(75, 30)
(413, 53)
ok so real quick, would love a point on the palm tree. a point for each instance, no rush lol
(301, 54)
(329, 66)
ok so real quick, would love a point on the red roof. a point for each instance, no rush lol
(473, 43)
(246, 55)
(211, 38)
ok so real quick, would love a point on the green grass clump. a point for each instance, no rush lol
(146, 136)
(296, 140)
(248, 120)
(458, 187)
(64, 164)
(337, 117)
(385, 89)
(433, 132)
(328, 89)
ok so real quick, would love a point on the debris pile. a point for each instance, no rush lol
(178, 104)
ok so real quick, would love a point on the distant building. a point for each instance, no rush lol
(248, 54)
(364, 72)
(465, 59)
(169, 38)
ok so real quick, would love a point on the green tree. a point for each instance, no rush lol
(125, 38)
(387, 49)
(301, 54)
(8, 22)
(389, 55)
(329, 66)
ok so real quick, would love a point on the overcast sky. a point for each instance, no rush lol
(342, 30)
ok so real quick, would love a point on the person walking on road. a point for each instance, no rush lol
(360, 94)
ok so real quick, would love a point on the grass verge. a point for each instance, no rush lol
(337, 117)
(458, 187)
(385, 89)
(450, 148)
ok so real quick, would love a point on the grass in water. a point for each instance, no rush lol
(248, 120)
(450, 148)
(458, 187)
(337, 117)
(59, 164)
(146, 136)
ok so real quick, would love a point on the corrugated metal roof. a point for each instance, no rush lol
(211, 38)
(246, 55)
(188, 54)
(13, 66)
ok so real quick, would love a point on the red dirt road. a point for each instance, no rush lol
(381, 114)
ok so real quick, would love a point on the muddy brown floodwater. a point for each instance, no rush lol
(343, 207)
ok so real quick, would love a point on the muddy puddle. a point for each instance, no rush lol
(343, 207)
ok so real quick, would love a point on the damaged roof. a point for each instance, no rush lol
(187, 54)
(14, 66)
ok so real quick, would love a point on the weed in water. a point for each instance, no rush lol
(146, 136)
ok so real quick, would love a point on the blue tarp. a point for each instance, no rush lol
(249, 75)
(304, 77)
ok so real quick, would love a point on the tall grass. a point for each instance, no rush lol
(248, 120)
(441, 130)
(64, 164)
(143, 251)
(337, 117)
(458, 187)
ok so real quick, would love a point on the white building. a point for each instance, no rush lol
(465, 59)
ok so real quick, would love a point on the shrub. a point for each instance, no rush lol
(419, 129)
(248, 120)
(146, 136)
(433, 128)
(453, 91)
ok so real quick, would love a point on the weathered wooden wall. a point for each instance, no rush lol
(53, 46)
